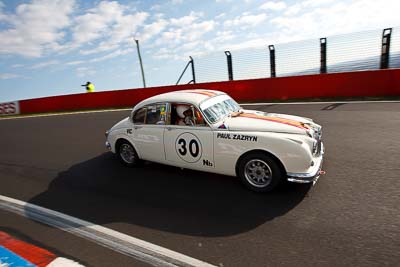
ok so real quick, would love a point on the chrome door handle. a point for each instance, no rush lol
(169, 129)
(137, 127)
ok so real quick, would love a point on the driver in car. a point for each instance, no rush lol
(185, 115)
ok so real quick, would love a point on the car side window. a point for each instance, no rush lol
(156, 114)
(140, 116)
(186, 115)
(151, 114)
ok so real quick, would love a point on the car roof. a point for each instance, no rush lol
(194, 97)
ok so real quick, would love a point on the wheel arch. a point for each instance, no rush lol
(120, 140)
(265, 152)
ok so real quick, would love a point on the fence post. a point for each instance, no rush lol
(193, 73)
(229, 61)
(272, 60)
(191, 62)
(323, 55)
(385, 52)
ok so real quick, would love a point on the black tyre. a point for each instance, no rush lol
(127, 154)
(259, 172)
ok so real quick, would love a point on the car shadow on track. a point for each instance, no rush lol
(102, 191)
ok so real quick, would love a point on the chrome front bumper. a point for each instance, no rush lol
(310, 177)
(108, 145)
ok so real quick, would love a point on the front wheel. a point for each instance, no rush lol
(127, 154)
(259, 172)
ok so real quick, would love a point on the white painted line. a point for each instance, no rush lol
(119, 242)
(319, 103)
(63, 262)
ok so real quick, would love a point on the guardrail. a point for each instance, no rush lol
(350, 84)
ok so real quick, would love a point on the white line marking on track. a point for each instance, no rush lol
(63, 262)
(119, 242)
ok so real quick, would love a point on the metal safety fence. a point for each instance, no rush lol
(367, 50)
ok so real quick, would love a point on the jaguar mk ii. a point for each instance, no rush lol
(207, 130)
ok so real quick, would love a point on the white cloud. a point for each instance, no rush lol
(197, 30)
(126, 25)
(152, 29)
(246, 20)
(35, 27)
(258, 42)
(76, 62)
(186, 20)
(223, 36)
(109, 22)
(116, 53)
(164, 53)
(316, 3)
(190, 45)
(321, 19)
(6, 76)
(159, 16)
(155, 7)
(17, 66)
(220, 16)
(186, 29)
(306, 5)
(85, 72)
(45, 64)
(293, 9)
(276, 6)
(92, 25)
(2, 16)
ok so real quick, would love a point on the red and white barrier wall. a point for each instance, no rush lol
(350, 84)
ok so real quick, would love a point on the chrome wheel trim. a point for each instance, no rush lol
(127, 153)
(258, 173)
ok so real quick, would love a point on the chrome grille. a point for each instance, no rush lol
(317, 137)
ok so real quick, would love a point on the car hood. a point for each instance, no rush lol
(252, 120)
(121, 124)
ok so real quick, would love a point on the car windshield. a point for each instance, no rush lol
(217, 108)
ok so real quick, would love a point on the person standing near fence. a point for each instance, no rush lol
(89, 87)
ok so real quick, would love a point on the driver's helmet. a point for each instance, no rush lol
(180, 109)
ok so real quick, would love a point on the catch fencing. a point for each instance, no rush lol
(367, 50)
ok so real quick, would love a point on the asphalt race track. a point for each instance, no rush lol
(351, 217)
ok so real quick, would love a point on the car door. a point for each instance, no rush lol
(188, 145)
(147, 132)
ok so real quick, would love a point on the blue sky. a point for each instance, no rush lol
(51, 47)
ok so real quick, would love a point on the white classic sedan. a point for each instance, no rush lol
(207, 130)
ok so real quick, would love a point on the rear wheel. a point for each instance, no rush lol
(127, 154)
(259, 172)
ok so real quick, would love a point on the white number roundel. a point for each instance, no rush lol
(188, 147)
